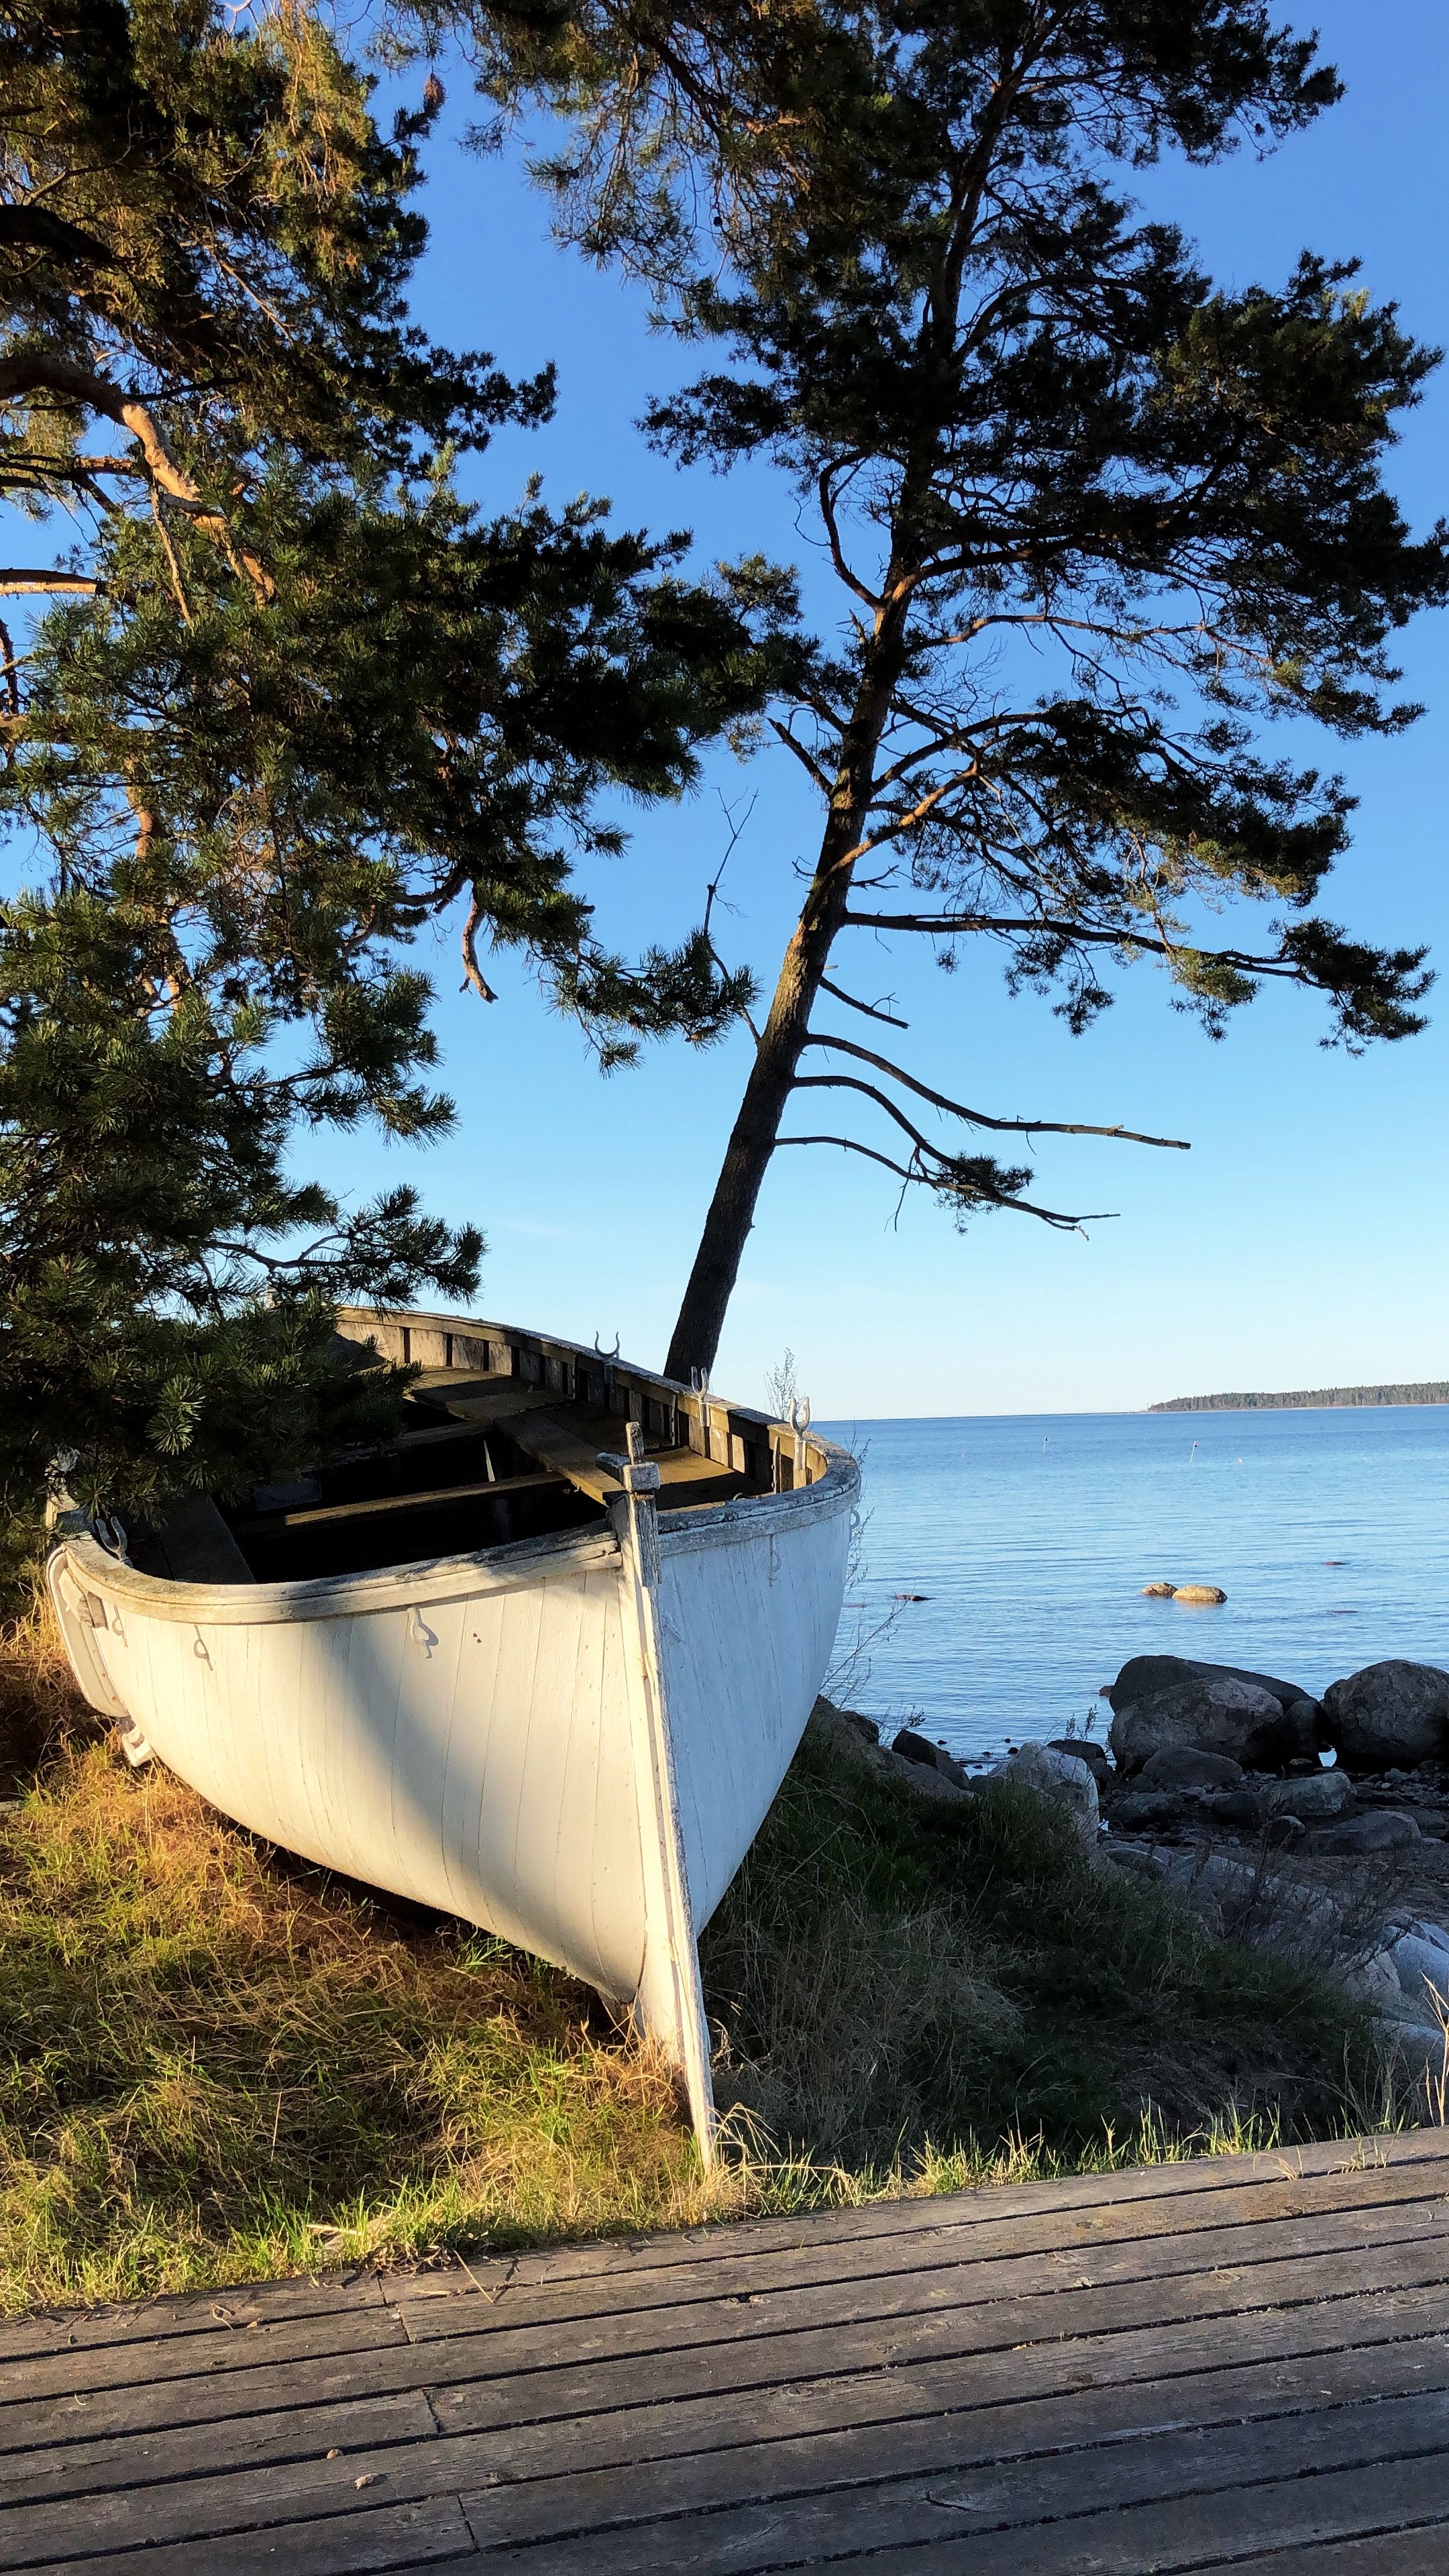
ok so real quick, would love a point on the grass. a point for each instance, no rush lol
(219, 2064)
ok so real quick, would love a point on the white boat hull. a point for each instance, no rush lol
(474, 1732)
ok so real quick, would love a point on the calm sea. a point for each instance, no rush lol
(1031, 1537)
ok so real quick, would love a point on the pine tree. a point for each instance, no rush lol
(290, 701)
(1024, 417)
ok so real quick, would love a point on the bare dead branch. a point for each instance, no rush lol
(472, 972)
(806, 759)
(852, 581)
(978, 1117)
(870, 1010)
(42, 371)
(923, 1180)
(15, 583)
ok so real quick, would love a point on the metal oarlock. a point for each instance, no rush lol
(699, 1381)
(799, 1424)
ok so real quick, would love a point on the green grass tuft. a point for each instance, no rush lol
(922, 1988)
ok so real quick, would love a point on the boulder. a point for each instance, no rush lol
(1060, 1777)
(1215, 1713)
(1247, 1903)
(1315, 1798)
(919, 1748)
(1421, 1967)
(1373, 1981)
(832, 1722)
(1154, 1811)
(849, 1737)
(1158, 1591)
(1141, 1675)
(1433, 1934)
(1185, 1766)
(1420, 2050)
(1081, 1749)
(1390, 1714)
(1382, 1829)
(1242, 1810)
(1305, 1719)
(1202, 1593)
(1135, 1860)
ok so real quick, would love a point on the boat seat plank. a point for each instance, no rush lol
(485, 1400)
(570, 1442)
(385, 1506)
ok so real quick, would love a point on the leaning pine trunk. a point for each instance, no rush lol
(756, 1129)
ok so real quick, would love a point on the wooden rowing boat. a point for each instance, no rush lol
(541, 1663)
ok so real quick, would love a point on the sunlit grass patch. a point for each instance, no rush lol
(218, 2063)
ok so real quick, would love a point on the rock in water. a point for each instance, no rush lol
(1158, 1591)
(1389, 1715)
(1220, 1715)
(1202, 1592)
(1061, 1777)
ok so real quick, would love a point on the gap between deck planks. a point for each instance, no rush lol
(1236, 2362)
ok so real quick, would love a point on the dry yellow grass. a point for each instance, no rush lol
(218, 2063)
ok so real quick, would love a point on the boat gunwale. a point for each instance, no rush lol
(512, 1567)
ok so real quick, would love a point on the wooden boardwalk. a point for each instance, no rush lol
(1241, 2363)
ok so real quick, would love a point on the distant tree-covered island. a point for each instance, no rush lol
(1436, 1391)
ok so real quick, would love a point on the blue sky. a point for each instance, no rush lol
(1303, 1240)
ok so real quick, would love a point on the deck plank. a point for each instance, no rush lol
(1425, 2149)
(1204, 2416)
(861, 2259)
(1181, 2470)
(1239, 2362)
(194, 2312)
(1174, 2273)
(76, 2372)
(1396, 2329)
(239, 2497)
(429, 2534)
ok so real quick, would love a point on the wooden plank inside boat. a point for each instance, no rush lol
(568, 1440)
(377, 1506)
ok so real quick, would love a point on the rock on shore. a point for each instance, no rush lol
(1162, 1703)
(1389, 1714)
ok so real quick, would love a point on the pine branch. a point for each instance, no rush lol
(978, 1117)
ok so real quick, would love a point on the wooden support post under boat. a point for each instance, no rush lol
(670, 2002)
